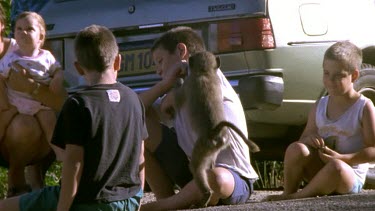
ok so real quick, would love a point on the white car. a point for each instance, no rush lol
(270, 50)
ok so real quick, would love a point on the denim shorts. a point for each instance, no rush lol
(169, 153)
(47, 198)
(243, 188)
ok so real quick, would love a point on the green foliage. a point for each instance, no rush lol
(3, 182)
(270, 175)
(53, 174)
(52, 178)
(6, 6)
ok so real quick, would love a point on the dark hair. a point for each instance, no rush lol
(181, 34)
(96, 48)
(40, 20)
(2, 20)
(345, 52)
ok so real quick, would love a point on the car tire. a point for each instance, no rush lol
(370, 178)
(365, 84)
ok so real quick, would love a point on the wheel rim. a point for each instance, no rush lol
(369, 93)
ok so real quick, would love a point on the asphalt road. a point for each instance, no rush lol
(362, 201)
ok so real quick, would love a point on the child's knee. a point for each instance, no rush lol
(297, 149)
(338, 166)
(221, 181)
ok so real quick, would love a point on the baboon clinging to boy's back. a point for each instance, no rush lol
(201, 93)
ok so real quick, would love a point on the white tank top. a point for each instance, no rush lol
(236, 156)
(347, 129)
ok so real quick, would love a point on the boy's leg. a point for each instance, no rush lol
(300, 162)
(156, 178)
(229, 187)
(47, 121)
(336, 176)
(223, 183)
(166, 163)
(186, 197)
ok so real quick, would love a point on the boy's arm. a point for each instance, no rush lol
(310, 134)
(142, 165)
(149, 96)
(71, 175)
(176, 71)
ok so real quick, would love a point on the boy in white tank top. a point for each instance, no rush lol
(345, 119)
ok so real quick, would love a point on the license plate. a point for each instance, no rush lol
(136, 62)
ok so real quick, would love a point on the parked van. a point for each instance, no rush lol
(271, 51)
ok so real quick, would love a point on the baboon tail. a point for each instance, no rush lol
(252, 145)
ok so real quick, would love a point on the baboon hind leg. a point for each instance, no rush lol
(201, 163)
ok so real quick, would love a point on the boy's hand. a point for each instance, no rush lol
(314, 141)
(176, 71)
(326, 154)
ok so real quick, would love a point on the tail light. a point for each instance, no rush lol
(244, 34)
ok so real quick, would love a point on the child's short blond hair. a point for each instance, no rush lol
(38, 18)
(345, 52)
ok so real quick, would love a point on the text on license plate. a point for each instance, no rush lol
(136, 62)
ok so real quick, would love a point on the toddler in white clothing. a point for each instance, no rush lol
(41, 67)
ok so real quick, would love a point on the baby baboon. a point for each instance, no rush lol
(201, 95)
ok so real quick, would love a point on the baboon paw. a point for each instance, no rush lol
(206, 199)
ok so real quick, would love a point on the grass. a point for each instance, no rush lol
(270, 176)
(52, 178)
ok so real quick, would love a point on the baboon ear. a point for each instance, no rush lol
(217, 62)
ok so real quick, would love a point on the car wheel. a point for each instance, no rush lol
(370, 178)
(366, 86)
